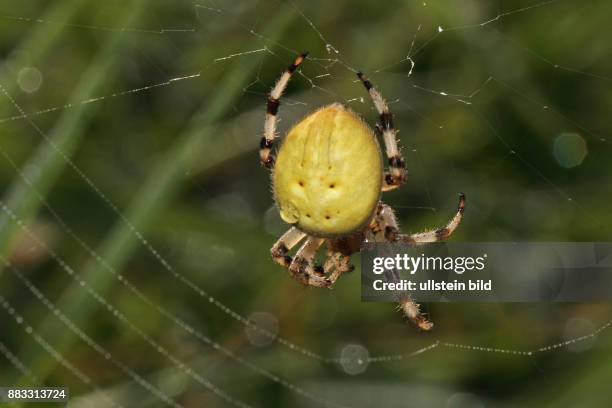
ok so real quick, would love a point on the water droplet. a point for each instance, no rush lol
(570, 149)
(269, 328)
(29, 79)
(354, 359)
(331, 48)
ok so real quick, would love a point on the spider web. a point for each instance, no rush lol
(197, 313)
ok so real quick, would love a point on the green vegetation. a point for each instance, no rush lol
(137, 155)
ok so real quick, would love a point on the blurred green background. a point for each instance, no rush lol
(128, 137)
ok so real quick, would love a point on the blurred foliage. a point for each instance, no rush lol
(144, 118)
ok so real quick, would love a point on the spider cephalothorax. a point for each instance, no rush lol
(327, 179)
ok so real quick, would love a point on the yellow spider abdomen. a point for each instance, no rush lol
(328, 173)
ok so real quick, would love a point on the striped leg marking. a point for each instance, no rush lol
(384, 228)
(336, 265)
(303, 268)
(266, 156)
(396, 175)
(280, 250)
(439, 234)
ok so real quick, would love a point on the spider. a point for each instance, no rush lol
(327, 181)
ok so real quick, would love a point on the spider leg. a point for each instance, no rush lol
(302, 265)
(337, 264)
(284, 244)
(303, 268)
(396, 175)
(439, 234)
(384, 227)
(267, 141)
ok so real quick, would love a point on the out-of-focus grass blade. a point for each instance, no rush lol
(39, 38)
(198, 142)
(38, 41)
(46, 164)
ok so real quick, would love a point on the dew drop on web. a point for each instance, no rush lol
(262, 320)
(354, 359)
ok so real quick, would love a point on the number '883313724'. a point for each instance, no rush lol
(8, 394)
